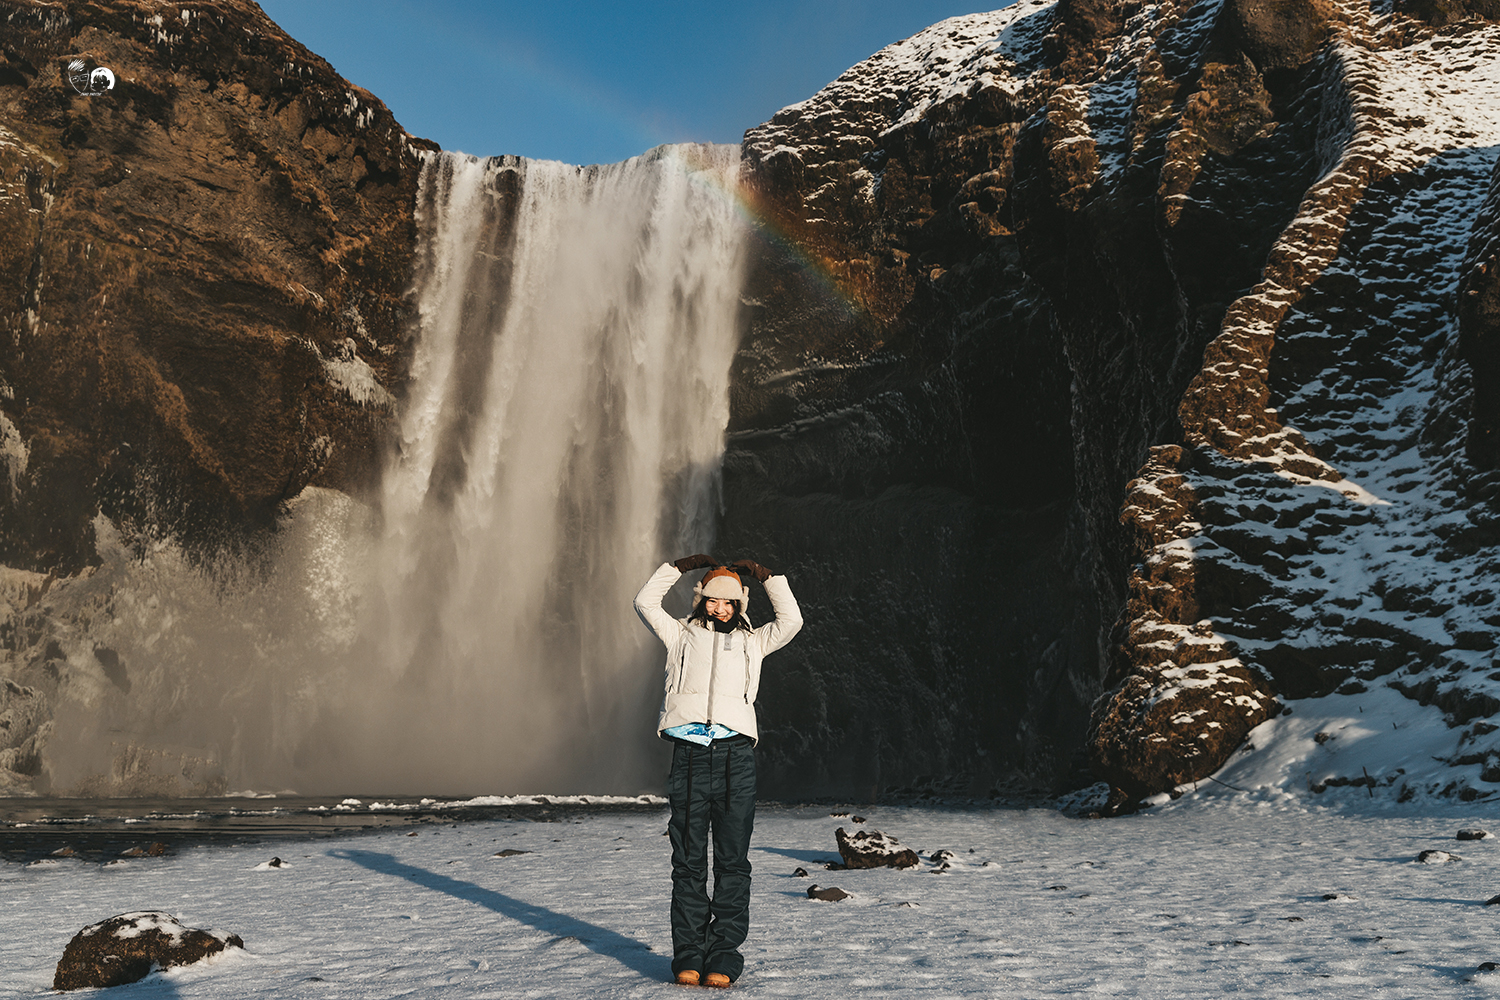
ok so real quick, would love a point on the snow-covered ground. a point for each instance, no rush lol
(1215, 894)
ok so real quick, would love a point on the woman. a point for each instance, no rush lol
(712, 676)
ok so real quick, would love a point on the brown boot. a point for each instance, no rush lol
(687, 977)
(717, 979)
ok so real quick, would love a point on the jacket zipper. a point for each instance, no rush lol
(713, 665)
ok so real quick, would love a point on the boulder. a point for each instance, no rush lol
(873, 849)
(1474, 835)
(131, 946)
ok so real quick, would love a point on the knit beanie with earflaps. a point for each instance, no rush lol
(723, 584)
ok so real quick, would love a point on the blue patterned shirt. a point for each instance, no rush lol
(700, 733)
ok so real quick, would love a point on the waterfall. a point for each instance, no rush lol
(471, 630)
(562, 433)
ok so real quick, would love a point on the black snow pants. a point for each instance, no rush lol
(712, 792)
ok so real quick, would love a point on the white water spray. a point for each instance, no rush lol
(561, 434)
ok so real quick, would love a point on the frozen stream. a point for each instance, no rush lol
(1206, 897)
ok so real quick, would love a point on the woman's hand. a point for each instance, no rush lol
(752, 568)
(689, 563)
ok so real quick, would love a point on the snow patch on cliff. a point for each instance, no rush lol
(902, 82)
(1395, 583)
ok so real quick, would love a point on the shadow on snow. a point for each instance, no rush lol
(627, 951)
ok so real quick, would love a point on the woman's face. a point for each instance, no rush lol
(720, 608)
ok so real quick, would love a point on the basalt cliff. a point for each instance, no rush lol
(1115, 377)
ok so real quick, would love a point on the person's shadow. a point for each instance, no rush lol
(627, 951)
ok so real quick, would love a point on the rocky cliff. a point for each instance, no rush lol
(1112, 356)
(201, 274)
(1115, 376)
(202, 271)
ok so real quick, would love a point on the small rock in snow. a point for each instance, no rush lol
(912, 905)
(1492, 901)
(1292, 920)
(1321, 738)
(832, 894)
(64, 852)
(940, 856)
(1331, 896)
(412, 834)
(266, 866)
(1474, 835)
(1056, 888)
(1437, 857)
(856, 819)
(1487, 967)
(800, 873)
(509, 852)
(153, 850)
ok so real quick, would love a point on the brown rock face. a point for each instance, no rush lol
(201, 274)
(1181, 700)
(1278, 34)
(127, 948)
(1441, 13)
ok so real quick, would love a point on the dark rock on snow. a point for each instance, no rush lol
(1437, 857)
(155, 849)
(873, 849)
(1474, 835)
(129, 947)
(832, 894)
(800, 873)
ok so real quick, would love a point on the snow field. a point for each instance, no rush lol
(1205, 897)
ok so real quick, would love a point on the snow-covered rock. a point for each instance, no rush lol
(131, 946)
(873, 849)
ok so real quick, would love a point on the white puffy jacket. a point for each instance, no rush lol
(714, 676)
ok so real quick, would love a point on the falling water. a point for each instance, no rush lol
(560, 435)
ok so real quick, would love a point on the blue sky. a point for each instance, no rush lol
(592, 82)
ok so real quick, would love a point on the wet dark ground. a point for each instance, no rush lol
(102, 829)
